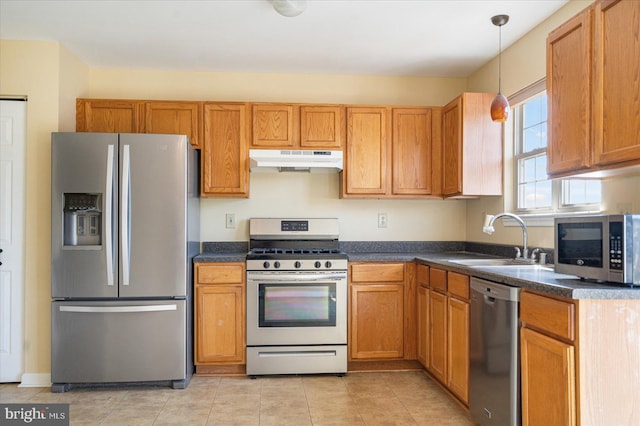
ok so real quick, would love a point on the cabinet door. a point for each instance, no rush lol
(180, 118)
(617, 86)
(548, 380)
(321, 127)
(458, 348)
(377, 321)
(452, 147)
(274, 126)
(438, 335)
(423, 325)
(569, 95)
(219, 324)
(109, 116)
(365, 169)
(225, 169)
(411, 151)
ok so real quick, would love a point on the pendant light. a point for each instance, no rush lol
(500, 105)
(289, 8)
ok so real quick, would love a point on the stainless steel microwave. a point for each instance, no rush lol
(599, 247)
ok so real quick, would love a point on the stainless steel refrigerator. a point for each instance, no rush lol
(124, 231)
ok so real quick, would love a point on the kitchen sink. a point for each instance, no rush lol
(499, 263)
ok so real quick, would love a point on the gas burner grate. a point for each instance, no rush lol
(271, 250)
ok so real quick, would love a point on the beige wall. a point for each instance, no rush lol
(523, 63)
(34, 69)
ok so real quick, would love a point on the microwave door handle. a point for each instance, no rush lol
(108, 212)
(124, 211)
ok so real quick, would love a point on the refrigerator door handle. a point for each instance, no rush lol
(118, 309)
(125, 225)
(108, 212)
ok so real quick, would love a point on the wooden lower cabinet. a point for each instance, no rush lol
(376, 311)
(548, 380)
(219, 316)
(438, 335)
(449, 330)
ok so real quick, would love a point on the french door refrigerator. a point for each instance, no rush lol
(124, 231)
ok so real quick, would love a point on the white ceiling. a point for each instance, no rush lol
(432, 38)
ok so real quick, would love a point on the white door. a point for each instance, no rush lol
(12, 210)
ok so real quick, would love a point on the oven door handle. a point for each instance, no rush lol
(289, 277)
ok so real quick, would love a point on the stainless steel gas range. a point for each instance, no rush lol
(296, 297)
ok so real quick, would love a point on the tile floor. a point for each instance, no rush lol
(385, 398)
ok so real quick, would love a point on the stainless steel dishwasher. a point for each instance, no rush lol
(494, 355)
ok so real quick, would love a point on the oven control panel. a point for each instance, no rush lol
(300, 264)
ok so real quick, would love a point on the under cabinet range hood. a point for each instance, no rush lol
(295, 160)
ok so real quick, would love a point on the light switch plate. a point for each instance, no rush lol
(230, 220)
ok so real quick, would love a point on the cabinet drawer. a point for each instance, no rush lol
(458, 285)
(438, 279)
(551, 315)
(377, 272)
(220, 274)
(422, 274)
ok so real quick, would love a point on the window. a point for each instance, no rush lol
(535, 192)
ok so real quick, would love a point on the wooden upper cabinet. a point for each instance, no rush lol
(472, 147)
(365, 164)
(181, 118)
(321, 127)
(274, 125)
(568, 95)
(617, 82)
(295, 126)
(225, 167)
(109, 116)
(592, 89)
(411, 151)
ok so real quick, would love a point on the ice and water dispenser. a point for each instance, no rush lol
(82, 219)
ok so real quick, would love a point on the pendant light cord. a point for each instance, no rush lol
(500, 60)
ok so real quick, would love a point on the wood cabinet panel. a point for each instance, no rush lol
(220, 274)
(220, 324)
(423, 325)
(548, 380)
(422, 275)
(377, 272)
(569, 90)
(458, 285)
(322, 127)
(366, 164)
(225, 168)
(472, 147)
(438, 335)
(274, 126)
(181, 118)
(411, 151)
(438, 279)
(377, 321)
(458, 347)
(616, 83)
(549, 315)
(109, 116)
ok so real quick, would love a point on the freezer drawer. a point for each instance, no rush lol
(108, 342)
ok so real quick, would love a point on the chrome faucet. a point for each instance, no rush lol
(489, 229)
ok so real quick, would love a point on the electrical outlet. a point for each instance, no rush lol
(382, 220)
(230, 220)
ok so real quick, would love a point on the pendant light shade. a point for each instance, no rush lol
(500, 105)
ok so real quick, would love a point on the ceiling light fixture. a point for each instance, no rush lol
(289, 8)
(500, 105)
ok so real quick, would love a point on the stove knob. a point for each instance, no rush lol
(317, 264)
(266, 265)
(276, 264)
(328, 264)
(297, 264)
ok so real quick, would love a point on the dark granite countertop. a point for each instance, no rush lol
(438, 253)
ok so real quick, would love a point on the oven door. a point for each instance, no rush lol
(296, 308)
